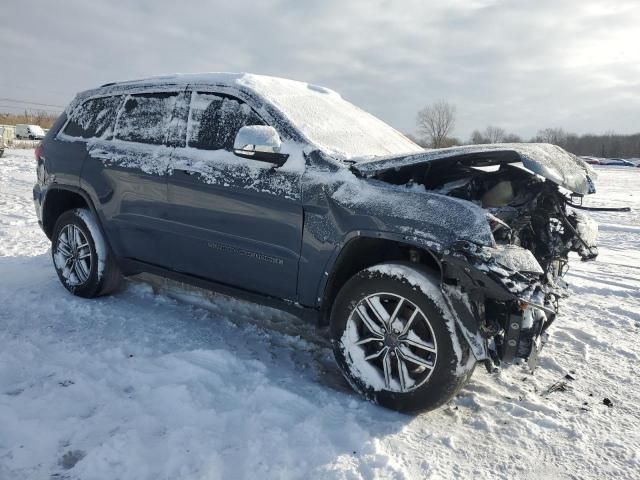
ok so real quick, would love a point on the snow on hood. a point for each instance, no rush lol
(549, 161)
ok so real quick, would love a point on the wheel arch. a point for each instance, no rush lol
(58, 200)
(361, 250)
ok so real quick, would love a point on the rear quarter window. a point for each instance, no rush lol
(93, 118)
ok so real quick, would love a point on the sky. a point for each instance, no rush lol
(519, 65)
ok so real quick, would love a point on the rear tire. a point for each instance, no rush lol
(399, 363)
(81, 256)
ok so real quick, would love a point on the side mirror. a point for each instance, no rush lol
(259, 142)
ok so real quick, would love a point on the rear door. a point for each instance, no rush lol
(235, 221)
(128, 173)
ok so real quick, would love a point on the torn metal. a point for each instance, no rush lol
(549, 161)
(505, 295)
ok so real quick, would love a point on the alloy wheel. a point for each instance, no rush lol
(73, 255)
(394, 336)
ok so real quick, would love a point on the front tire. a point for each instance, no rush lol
(395, 340)
(83, 261)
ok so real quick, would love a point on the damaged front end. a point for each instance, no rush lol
(506, 295)
(503, 300)
(512, 290)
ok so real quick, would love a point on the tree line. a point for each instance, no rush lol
(435, 124)
(36, 117)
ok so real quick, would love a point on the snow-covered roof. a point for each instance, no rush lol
(319, 114)
(210, 78)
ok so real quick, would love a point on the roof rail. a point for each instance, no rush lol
(108, 84)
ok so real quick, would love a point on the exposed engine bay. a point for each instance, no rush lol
(527, 211)
(523, 209)
(535, 225)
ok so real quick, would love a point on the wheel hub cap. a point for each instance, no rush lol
(391, 341)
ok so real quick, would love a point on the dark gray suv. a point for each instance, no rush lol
(422, 262)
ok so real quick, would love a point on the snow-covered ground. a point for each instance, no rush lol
(142, 385)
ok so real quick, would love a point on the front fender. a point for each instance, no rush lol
(410, 212)
(339, 207)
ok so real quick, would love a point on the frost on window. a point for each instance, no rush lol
(178, 126)
(93, 118)
(215, 120)
(146, 118)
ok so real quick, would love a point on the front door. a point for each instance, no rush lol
(235, 221)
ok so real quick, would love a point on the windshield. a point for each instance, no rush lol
(36, 130)
(327, 120)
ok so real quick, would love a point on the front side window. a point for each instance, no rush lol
(93, 118)
(214, 121)
(149, 118)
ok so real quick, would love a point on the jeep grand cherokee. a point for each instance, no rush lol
(422, 262)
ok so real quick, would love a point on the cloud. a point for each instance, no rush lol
(522, 65)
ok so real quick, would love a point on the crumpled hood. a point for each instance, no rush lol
(549, 161)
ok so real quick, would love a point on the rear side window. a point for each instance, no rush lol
(93, 118)
(149, 118)
(214, 121)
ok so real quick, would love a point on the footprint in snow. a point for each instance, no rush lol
(71, 458)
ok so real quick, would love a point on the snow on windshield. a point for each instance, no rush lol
(330, 122)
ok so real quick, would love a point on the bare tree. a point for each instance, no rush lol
(512, 138)
(418, 140)
(436, 121)
(494, 134)
(477, 138)
(451, 142)
(557, 136)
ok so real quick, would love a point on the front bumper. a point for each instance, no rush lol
(502, 300)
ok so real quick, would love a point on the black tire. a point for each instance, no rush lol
(450, 371)
(103, 275)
